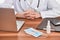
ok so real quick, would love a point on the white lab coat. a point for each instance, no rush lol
(6, 3)
(47, 8)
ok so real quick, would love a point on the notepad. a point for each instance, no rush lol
(33, 32)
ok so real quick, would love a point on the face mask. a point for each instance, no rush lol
(2, 1)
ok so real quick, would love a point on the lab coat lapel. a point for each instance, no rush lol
(23, 4)
(34, 4)
(43, 5)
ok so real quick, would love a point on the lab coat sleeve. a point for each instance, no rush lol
(17, 7)
(53, 12)
(6, 4)
(50, 13)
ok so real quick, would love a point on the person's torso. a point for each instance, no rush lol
(27, 4)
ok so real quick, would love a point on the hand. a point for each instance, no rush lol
(32, 15)
(37, 15)
(21, 15)
(29, 12)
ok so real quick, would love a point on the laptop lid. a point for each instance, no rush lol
(7, 20)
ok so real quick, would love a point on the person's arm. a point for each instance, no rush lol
(18, 11)
(21, 14)
(53, 12)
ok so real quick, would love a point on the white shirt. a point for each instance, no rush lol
(6, 3)
(30, 1)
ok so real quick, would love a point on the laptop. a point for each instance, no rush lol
(54, 23)
(8, 20)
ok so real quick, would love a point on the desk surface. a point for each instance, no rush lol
(21, 35)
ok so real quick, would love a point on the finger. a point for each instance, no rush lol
(25, 13)
(28, 15)
(32, 16)
(29, 18)
(37, 16)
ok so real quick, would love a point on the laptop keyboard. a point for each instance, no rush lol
(55, 21)
(19, 24)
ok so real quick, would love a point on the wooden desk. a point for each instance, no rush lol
(21, 35)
